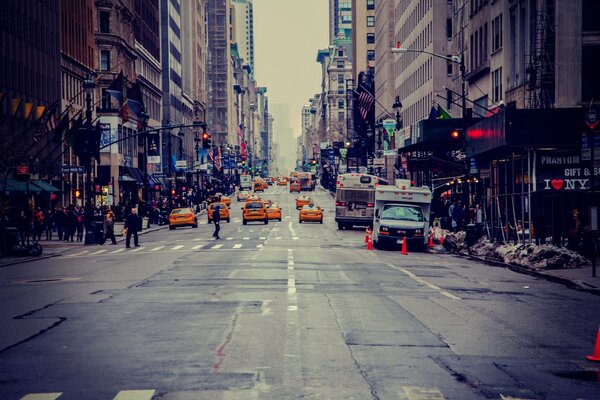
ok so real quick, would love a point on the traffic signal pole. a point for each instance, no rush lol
(89, 86)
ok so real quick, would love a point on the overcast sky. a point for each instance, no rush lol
(287, 36)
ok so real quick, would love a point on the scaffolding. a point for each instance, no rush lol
(217, 71)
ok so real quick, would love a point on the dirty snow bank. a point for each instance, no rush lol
(527, 255)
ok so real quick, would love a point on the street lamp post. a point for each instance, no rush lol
(88, 86)
(144, 122)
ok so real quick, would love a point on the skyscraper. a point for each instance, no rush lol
(244, 31)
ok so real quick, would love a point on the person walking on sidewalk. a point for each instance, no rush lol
(216, 218)
(109, 227)
(132, 224)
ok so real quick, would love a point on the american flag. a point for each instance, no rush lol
(48, 120)
(240, 132)
(211, 155)
(365, 102)
(218, 159)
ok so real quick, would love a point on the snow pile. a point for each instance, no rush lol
(527, 255)
(438, 233)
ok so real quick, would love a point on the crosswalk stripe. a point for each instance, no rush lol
(117, 251)
(422, 393)
(98, 252)
(229, 238)
(196, 247)
(278, 238)
(237, 246)
(41, 396)
(246, 238)
(258, 246)
(135, 395)
(177, 247)
(217, 246)
(262, 238)
(157, 248)
(79, 254)
(137, 249)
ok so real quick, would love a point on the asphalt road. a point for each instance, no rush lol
(287, 311)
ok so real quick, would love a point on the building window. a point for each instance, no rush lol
(340, 103)
(497, 33)
(370, 55)
(340, 78)
(449, 28)
(449, 66)
(104, 60)
(105, 100)
(341, 53)
(104, 21)
(370, 38)
(370, 4)
(370, 20)
(497, 85)
(340, 64)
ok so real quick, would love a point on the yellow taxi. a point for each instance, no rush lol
(302, 201)
(274, 211)
(311, 213)
(253, 197)
(182, 217)
(243, 195)
(258, 187)
(254, 211)
(294, 187)
(226, 200)
(223, 210)
(282, 182)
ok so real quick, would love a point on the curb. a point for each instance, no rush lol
(577, 285)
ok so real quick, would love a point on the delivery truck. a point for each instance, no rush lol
(246, 182)
(402, 212)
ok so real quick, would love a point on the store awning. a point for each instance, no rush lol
(136, 173)
(45, 186)
(12, 185)
(126, 178)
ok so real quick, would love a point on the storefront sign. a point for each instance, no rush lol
(563, 172)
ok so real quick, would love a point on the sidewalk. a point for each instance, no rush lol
(55, 247)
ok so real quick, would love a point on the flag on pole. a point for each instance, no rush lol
(48, 119)
(218, 159)
(240, 132)
(15, 105)
(365, 103)
(116, 88)
(211, 155)
(437, 112)
(57, 136)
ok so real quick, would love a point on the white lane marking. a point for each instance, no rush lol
(262, 238)
(196, 247)
(217, 246)
(137, 249)
(291, 285)
(229, 238)
(291, 227)
(179, 246)
(42, 396)
(287, 217)
(422, 393)
(237, 246)
(117, 251)
(196, 240)
(157, 248)
(246, 238)
(98, 252)
(295, 238)
(258, 246)
(135, 395)
(424, 282)
(278, 238)
(78, 254)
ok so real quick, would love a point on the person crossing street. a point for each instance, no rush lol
(216, 218)
(131, 224)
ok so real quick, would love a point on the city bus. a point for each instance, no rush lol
(355, 199)
(306, 181)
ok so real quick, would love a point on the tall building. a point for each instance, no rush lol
(384, 59)
(244, 30)
(363, 36)
(221, 101)
(340, 19)
(340, 87)
(419, 76)
(77, 61)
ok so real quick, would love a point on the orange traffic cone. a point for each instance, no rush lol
(430, 244)
(404, 252)
(369, 243)
(596, 355)
(367, 234)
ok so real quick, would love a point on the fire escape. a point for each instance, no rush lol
(540, 69)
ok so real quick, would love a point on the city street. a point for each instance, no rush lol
(287, 311)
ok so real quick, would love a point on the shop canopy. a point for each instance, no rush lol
(32, 186)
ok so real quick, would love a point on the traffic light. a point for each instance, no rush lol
(76, 193)
(243, 163)
(313, 162)
(456, 134)
(206, 140)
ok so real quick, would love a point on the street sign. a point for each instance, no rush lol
(378, 162)
(181, 164)
(159, 174)
(153, 159)
(72, 169)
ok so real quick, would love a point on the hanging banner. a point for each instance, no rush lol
(389, 140)
(153, 149)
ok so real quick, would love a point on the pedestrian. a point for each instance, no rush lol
(71, 224)
(49, 224)
(131, 224)
(79, 226)
(109, 227)
(23, 227)
(216, 218)
(455, 211)
(38, 224)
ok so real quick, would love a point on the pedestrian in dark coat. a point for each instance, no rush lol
(49, 224)
(71, 224)
(38, 224)
(80, 219)
(60, 220)
(131, 224)
(216, 218)
(23, 227)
